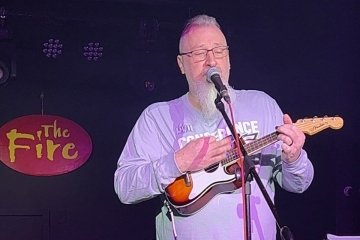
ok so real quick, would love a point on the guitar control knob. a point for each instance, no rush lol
(187, 179)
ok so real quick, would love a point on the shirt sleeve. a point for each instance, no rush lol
(296, 176)
(146, 165)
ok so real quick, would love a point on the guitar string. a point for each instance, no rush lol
(268, 139)
(249, 147)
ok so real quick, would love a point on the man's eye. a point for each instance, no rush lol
(198, 53)
(219, 50)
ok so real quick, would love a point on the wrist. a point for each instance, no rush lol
(179, 162)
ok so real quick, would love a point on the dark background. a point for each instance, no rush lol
(304, 54)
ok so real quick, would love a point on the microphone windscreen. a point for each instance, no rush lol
(212, 71)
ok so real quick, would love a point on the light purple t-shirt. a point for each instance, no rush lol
(147, 166)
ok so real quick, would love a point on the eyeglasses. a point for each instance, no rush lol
(199, 55)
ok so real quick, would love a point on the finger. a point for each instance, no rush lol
(295, 137)
(220, 147)
(218, 151)
(287, 119)
(226, 141)
(286, 139)
(286, 148)
(218, 158)
(223, 142)
(290, 153)
(287, 129)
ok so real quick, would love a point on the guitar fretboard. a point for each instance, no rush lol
(259, 144)
(251, 148)
(308, 126)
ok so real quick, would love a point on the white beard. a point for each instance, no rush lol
(206, 94)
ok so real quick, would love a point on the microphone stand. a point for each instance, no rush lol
(250, 173)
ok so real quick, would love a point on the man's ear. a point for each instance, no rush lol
(180, 64)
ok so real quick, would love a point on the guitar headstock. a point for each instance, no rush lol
(314, 125)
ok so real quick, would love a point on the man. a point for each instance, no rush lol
(188, 134)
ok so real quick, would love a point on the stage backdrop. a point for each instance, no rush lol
(305, 55)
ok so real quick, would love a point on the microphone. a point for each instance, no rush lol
(213, 76)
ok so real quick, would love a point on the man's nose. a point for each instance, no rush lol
(210, 59)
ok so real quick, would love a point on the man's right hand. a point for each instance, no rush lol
(201, 153)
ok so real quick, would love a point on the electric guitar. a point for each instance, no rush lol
(192, 191)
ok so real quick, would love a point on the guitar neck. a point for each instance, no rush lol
(308, 126)
(250, 148)
(261, 143)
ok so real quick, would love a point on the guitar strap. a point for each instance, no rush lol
(170, 214)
